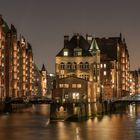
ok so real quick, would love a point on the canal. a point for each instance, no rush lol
(34, 124)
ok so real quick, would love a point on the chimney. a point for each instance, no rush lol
(66, 40)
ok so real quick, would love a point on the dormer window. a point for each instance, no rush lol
(77, 52)
(65, 52)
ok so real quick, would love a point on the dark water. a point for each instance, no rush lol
(33, 124)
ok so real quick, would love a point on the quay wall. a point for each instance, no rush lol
(13, 107)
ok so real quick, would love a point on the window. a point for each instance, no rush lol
(94, 65)
(86, 65)
(79, 86)
(94, 72)
(75, 95)
(87, 77)
(104, 65)
(74, 65)
(69, 65)
(65, 53)
(101, 65)
(61, 76)
(73, 85)
(104, 73)
(77, 51)
(62, 66)
(66, 85)
(61, 85)
(81, 65)
(66, 96)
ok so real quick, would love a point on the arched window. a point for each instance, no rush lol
(86, 65)
(62, 66)
(74, 65)
(81, 65)
(69, 65)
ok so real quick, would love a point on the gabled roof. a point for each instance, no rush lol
(82, 43)
(4, 24)
(108, 46)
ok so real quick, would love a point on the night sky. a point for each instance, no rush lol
(44, 23)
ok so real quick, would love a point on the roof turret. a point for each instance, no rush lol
(94, 46)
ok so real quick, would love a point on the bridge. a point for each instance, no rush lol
(24, 100)
(43, 100)
(129, 99)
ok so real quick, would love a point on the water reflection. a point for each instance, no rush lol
(34, 124)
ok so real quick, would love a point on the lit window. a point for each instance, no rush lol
(79, 86)
(101, 65)
(62, 72)
(86, 77)
(98, 66)
(61, 85)
(75, 96)
(79, 53)
(104, 72)
(73, 85)
(66, 85)
(61, 76)
(104, 65)
(65, 53)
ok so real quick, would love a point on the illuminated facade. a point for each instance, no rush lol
(79, 60)
(37, 88)
(115, 67)
(102, 62)
(134, 82)
(44, 80)
(16, 63)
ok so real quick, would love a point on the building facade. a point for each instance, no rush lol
(102, 62)
(115, 67)
(44, 80)
(16, 63)
(135, 82)
(79, 60)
